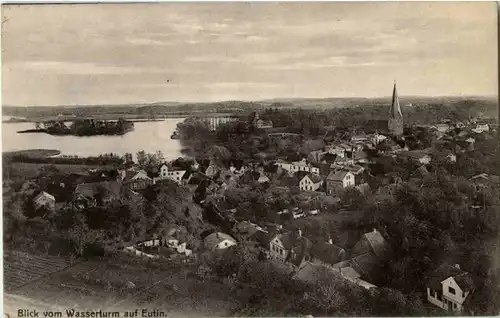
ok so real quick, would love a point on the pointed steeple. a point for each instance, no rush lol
(395, 108)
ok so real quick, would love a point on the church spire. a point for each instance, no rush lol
(395, 115)
(395, 108)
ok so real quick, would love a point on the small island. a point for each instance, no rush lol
(83, 127)
(175, 135)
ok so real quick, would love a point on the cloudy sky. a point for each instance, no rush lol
(128, 53)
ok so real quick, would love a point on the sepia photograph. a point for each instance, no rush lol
(236, 159)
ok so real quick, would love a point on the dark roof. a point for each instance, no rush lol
(290, 240)
(327, 253)
(324, 168)
(187, 174)
(271, 168)
(348, 239)
(89, 190)
(312, 272)
(263, 238)
(353, 168)
(367, 264)
(329, 158)
(197, 178)
(300, 174)
(245, 229)
(377, 243)
(337, 175)
(463, 279)
(129, 174)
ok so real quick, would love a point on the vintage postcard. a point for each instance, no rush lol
(250, 159)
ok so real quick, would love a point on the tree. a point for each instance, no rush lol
(128, 159)
(81, 236)
(353, 198)
(142, 158)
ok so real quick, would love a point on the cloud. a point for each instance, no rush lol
(242, 85)
(146, 42)
(69, 68)
(207, 49)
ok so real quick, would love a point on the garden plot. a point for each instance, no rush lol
(21, 268)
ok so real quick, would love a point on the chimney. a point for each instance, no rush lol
(374, 230)
(457, 266)
(330, 241)
(300, 233)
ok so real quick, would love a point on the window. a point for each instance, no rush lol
(455, 305)
(451, 290)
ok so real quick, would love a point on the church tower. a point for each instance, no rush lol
(395, 115)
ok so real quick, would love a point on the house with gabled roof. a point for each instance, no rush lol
(219, 241)
(369, 254)
(310, 182)
(449, 287)
(337, 150)
(291, 248)
(354, 169)
(339, 179)
(44, 200)
(327, 253)
(136, 179)
(88, 195)
(172, 173)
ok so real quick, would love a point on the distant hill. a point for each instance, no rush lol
(168, 107)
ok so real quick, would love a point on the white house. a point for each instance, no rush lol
(44, 199)
(310, 182)
(339, 179)
(172, 174)
(263, 179)
(481, 128)
(451, 157)
(336, 150)
(296, 166)
(377, 138)
(449, 288)
(218, 241)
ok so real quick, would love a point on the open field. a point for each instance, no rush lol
(33, 153)
(30, 170)
(118, 285)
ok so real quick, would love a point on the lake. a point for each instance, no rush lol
(147, 136)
